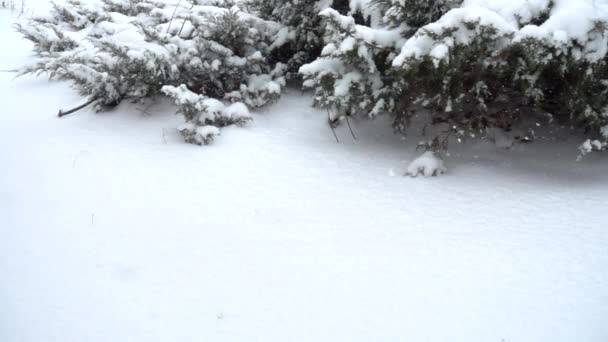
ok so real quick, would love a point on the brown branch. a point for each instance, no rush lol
(179, 34)
(173, 16)
(331, 125)
(350, 128)
(75, 109)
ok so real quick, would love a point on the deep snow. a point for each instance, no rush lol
(113, 229)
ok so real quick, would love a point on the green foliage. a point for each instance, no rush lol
(348, 78)
(494, 80)
(47, 38)
(301, 40)
(472, 75)
(410, 15)
(129, 49)
(353, 74)
(204, 116)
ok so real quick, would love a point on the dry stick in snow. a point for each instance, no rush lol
(73, 110)
(350, 128)
(179, 34)
(173, 16)
(332, 126)
(22, 9)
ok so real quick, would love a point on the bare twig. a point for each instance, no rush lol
(22, 8)
(331, 125)
(173, 16)
(350, 128)
(179, 34)
(73, 110)
(145, 110)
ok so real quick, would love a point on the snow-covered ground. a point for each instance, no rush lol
(113, 229)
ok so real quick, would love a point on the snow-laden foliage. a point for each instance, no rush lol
(301, 37)
(204, 115)
(410, 15)
(476, 64)
(349, 77)
(353, 74)
(490, 65)
(118, 50)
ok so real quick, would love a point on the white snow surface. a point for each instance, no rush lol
(113, 229)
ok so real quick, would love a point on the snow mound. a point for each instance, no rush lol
(204, 116)
(429, 164)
